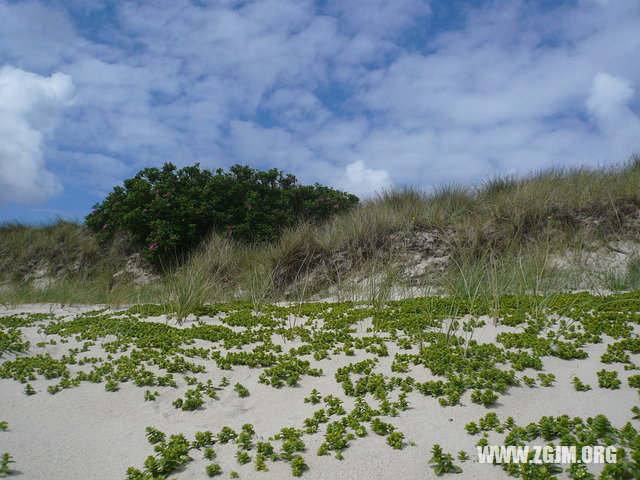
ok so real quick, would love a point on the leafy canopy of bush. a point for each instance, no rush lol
(168, 211)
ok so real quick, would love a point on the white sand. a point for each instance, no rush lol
(88, 433)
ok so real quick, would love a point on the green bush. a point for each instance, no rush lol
(169, 211)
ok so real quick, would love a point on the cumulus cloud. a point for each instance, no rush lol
(28, 114)
(363, 181)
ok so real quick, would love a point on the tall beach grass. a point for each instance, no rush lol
(499, 236)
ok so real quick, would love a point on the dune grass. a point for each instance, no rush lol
(499, 234)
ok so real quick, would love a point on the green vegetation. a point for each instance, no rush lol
(576, 431)
(149, 396)
(579, 386)
(154, 435)
(546, 379)
(298, 466)
(486, 398)
(395, 439)
(432, 334)
(243, 457)
(169, 211)
(214, 469)
(6, 458)
(192, 401)
(607, 379)
(442, 462)
(209, 453)
(241, 390)
(314, 397)
(228, 256)
(498, 238)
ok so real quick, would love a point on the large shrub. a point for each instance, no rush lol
(168, 211)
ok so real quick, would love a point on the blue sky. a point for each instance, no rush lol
(359, 95)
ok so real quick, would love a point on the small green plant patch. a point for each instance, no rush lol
(213, 470)
(579, 386)
(5, 461)
(608, 379)
(241, 390)
(442, 462)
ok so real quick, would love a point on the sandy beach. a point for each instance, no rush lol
(86, 432)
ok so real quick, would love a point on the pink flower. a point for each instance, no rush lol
(321, 199)
(249, 206)
(93, 211)
(153, 245)
(105, 225)
(168, 204)
(167, 194)
(328, 199)
(144, 210)
(335, 206)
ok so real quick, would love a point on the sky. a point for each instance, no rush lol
(361, 95)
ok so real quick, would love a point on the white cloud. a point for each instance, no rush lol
(506, 92)
(608, 104)
(380, 17)
(310, 87)
(29, 106)
(363, 181)
(609, 95)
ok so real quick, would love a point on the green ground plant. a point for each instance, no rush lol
(396, 439)
(579, 432)
(5, 460)
(213, 469)
(426, 335)
(442, 462)
(241, 390)
(579, 386)
(608, 379)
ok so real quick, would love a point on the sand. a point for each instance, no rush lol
(88, 433)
